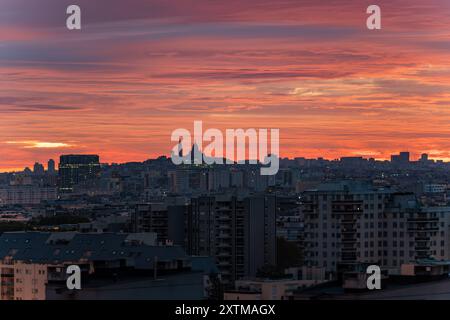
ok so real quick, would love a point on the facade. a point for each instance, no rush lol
(22, 281)
(151, 217)
(26, 194)
(435, 188)
(77, 170)
(179, 180)
(167, 221)
(341, 223)
(350, 223)
(289, 220)
(240, 234)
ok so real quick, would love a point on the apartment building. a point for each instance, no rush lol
(240, 233)
(167, 221)
(26, 194)
(289, 220)
(353, 222)
(22, 281)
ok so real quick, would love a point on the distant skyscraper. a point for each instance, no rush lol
(400, 159)
(76, 170)
(424, 157)
(395, 158)
(38, 168)
(51, 166)
(404, 157)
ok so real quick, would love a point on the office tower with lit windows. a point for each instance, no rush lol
(77, 170)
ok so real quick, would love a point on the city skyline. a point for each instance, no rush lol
(412, 158)
(133, 74)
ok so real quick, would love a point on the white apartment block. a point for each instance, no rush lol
(352, 222)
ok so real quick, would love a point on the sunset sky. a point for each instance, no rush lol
(140, 69)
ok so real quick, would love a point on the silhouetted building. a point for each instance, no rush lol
(38, 169)
(404, 157)
(400, 159)
(353, 162)
(51, 166)
(77, 170)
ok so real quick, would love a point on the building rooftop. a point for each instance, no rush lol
(430, 290)
(347, 186)
(44, 247)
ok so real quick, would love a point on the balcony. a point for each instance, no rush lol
(423, 219)
(223, 236)
(224, 245)
(419, 229)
